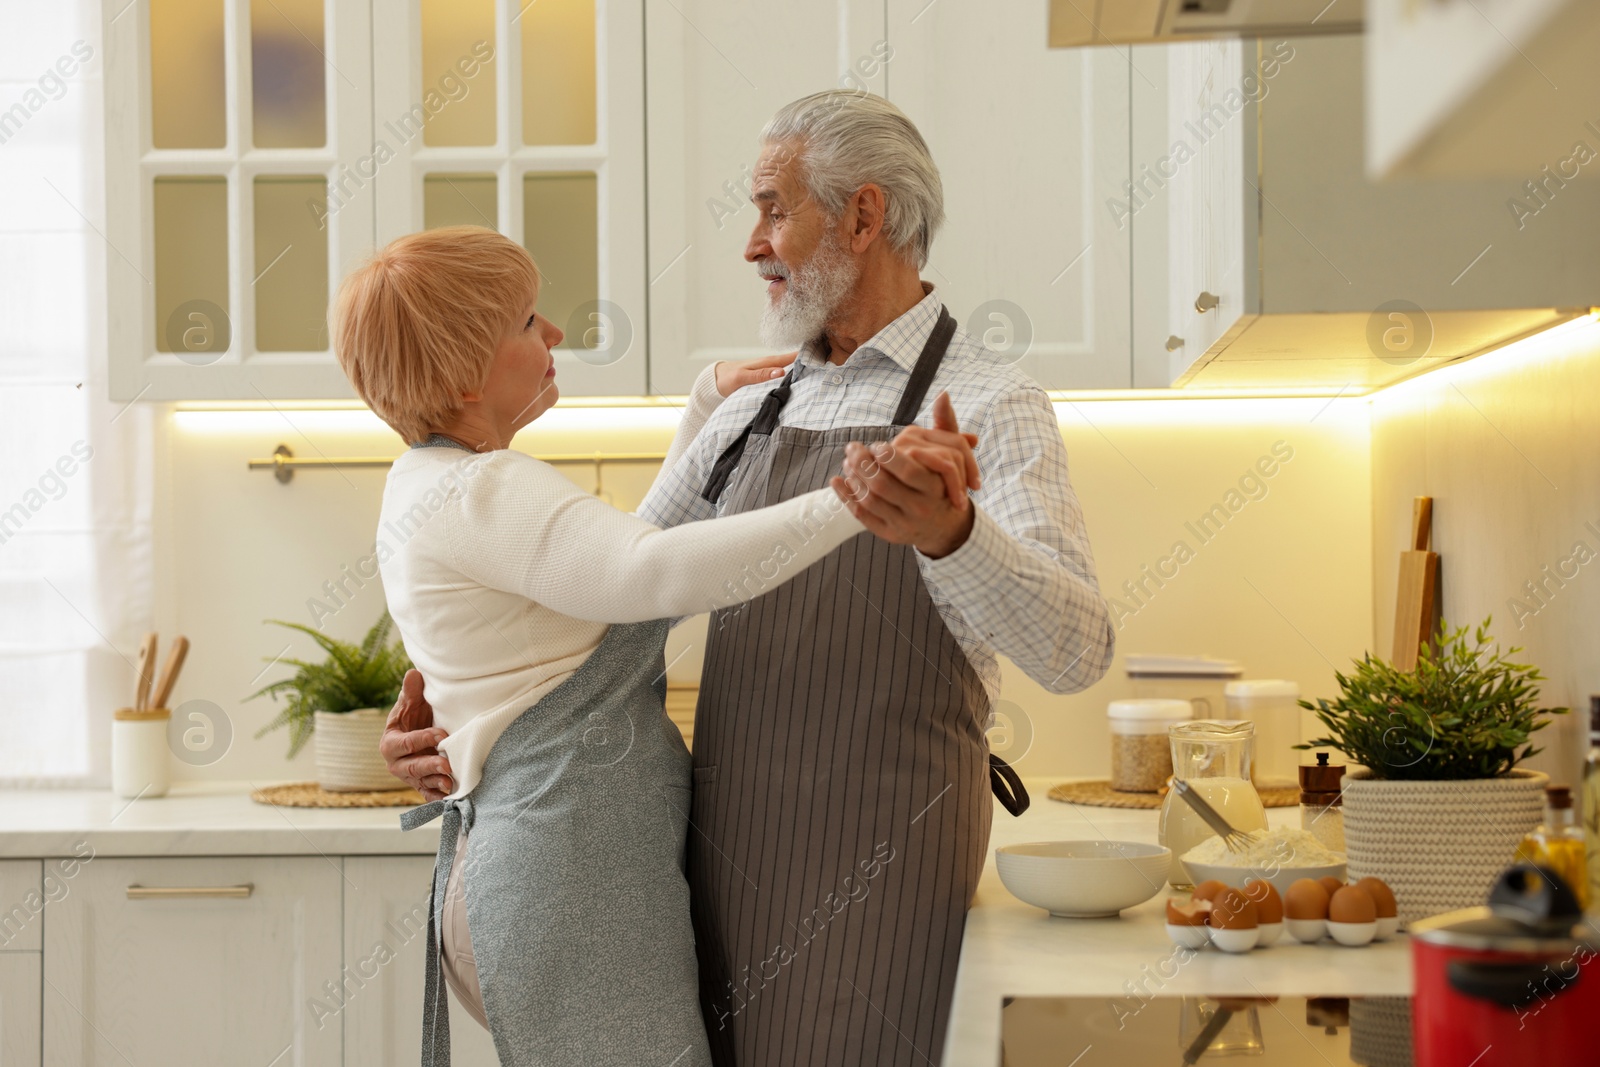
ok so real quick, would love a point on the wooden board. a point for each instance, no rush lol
(1416, 609)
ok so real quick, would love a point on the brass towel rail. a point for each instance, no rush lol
(283, 462)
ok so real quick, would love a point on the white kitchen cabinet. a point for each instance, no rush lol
(22, 900)
(188, 961)
(545, 144)
(717, 71)
(385, 941)
(1191, 222)
(1502, 88)
(19, 1009)
(225, 240)
(1264, 256)
(256, 153)
(1032, 146)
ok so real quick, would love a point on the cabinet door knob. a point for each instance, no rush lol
(1205, 302)
(1174, 343)
(190, 892)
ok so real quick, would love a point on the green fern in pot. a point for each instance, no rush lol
(343, 701)
(1439, 805)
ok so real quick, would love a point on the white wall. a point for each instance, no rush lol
(1284, 587)
(1507, 447)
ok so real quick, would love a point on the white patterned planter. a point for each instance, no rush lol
(1439, 845)
(347, 752)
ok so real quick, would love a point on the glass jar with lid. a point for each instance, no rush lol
(1141, 754)
(1214, 756)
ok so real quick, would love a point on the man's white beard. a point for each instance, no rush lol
(812, 293)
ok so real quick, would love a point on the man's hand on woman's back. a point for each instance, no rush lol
(410, 743)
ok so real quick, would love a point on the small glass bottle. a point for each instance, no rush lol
(1322, 803)
(1591, 801)
(1558, 843)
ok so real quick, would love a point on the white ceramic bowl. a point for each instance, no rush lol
(1083, 879)
(1280, 877)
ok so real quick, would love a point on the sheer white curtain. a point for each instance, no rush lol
(77, 474)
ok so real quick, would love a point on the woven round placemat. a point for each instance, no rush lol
(1099, 794)
(312, 795)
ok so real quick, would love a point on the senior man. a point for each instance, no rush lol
(840, 814)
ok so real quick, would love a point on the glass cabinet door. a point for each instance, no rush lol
(237, 145)
(525, 116)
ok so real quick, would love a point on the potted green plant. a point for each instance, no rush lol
(344, 701)
(1438, 806)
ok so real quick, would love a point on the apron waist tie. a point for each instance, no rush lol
(1007, 786)
(435, 1003)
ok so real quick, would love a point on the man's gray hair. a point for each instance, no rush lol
(845, 139)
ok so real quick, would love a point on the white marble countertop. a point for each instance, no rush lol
(1014, 949)
(197, 819)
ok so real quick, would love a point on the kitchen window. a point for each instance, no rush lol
(76, 490)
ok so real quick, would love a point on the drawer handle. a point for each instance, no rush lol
(1205, 302)
(190, 892)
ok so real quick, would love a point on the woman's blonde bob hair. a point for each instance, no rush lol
(417, 325)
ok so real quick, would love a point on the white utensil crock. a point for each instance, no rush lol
(139, 757)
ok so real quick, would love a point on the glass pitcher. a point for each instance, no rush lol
(1214, 757)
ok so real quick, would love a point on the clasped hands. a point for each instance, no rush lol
(913, 490)
(908, 491)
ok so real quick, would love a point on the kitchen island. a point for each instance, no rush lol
(1012, 949)
(213, 834)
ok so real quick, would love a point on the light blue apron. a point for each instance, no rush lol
(574, 875)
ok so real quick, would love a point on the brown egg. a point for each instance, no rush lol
(1352, 904)
(1234, 911)
(1382, 897)
(1268, 902)
(1331, 884)
(1208, 890)
(1306, 899)
(1182, 912)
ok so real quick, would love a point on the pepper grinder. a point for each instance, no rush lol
(1322, 802)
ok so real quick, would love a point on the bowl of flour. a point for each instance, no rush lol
(1282, 856)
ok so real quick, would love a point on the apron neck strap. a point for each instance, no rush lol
(927, 366)
(766, 419)
(765, 422)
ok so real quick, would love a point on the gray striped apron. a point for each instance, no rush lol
(840, 818)
(576, 899)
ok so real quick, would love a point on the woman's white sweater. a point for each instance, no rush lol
(503, 576)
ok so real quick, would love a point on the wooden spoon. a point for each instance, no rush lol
(169, 673)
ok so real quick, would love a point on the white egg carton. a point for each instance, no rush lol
(1305, 931)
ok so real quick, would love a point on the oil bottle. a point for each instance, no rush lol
(1558, 843)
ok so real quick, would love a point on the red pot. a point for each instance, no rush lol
(1512, 984)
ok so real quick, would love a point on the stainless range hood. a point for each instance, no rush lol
(1075, 23)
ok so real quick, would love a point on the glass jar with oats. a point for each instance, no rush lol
(1141, 758)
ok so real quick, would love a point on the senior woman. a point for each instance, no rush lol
(537, 615)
